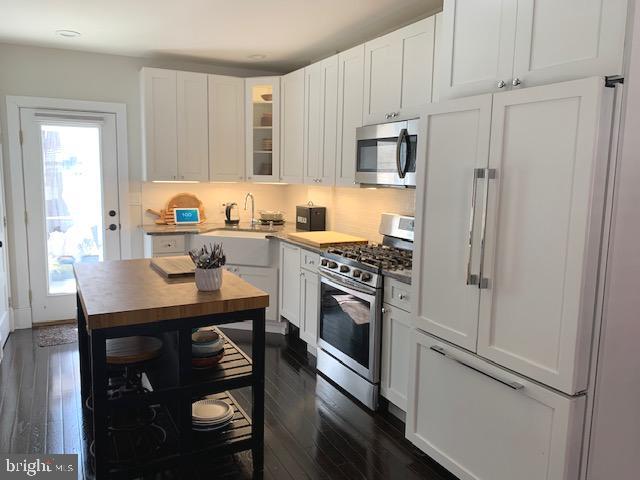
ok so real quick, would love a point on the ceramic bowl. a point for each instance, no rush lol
(207, 362)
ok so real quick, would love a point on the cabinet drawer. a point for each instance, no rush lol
(169, 244)
(397, 294)
(309, 260)
(482, 422)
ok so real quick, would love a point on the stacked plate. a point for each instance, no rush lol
(207, 348)
(210, 414)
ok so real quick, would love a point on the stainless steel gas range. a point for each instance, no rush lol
(351, 307)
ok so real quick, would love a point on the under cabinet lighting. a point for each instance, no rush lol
(175, 181)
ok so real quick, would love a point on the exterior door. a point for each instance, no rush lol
(544, 221)
(71, 191)
(453, 156)
(5, 319)
(477, 46)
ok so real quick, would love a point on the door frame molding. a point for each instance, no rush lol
(19, 276)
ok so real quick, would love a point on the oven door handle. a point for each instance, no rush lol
(360, 291)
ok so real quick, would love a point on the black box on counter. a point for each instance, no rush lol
(310, 218)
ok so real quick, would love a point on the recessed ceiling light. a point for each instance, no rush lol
(68, 33)
(257, 56)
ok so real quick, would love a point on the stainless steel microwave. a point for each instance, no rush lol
(386, 154)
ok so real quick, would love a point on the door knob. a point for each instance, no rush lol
(516, 82)
(501, 84)
(112, 227)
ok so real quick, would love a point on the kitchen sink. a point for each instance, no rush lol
(241, 247)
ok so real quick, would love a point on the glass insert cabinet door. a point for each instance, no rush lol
(263, 129)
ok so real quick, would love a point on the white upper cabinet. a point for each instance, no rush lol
(448, 216)
(159, 123)
(350, 98)
(193, 129)
(321, 121)
(398, 71)
(568, 39)
(477, 47)
(544, 226)
(262, 119)
(175, 125)
(226, 128)
(292, 131)
(497, 45)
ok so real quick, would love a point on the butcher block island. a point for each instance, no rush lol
(127, 304)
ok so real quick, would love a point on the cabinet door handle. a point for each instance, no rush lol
(387, 116)
(509, 383)
(516, 82)
(384, 310)
(402, 296)
(490, 174)
(472, 279)
(501, 84)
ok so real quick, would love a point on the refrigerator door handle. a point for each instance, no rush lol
(489, 174)
(471, 278)
(511, 384)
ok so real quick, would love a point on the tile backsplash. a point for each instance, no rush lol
(350, 210)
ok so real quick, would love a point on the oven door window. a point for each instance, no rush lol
(345, 322)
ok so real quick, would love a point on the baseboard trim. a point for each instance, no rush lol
(21, 318)
(270, 327)
(54, 323)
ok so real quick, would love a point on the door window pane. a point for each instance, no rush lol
(72, 201)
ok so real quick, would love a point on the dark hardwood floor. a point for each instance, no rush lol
(312, 431)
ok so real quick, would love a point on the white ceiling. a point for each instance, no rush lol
(291, 33)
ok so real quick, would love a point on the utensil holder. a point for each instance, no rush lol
(208, 279)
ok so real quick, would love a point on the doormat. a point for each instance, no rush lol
(57, 335)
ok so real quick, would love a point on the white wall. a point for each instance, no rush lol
(46, 72)
(615, 437)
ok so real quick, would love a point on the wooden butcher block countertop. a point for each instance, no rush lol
(324, 239)
(131, 292)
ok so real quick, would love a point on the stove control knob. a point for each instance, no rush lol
(324, 262)
(357, 273)
(366, 276)
(333, 265)
(344, 269)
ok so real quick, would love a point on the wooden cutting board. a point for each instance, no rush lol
(326, 238)
(172, 267)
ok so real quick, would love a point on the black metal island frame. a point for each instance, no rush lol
(128, 298)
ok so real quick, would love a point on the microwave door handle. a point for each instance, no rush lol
(407, 141)
(401, 136)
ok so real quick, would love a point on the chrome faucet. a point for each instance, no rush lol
(253, 205)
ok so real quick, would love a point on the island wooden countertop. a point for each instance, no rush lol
(130, 292)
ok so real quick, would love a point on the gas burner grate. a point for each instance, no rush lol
(378, 256)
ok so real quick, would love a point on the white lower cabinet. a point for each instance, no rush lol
(290, 283)
(300, 290)
(484, 423)
(264, 278)
(309, 307)
(394, 374)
